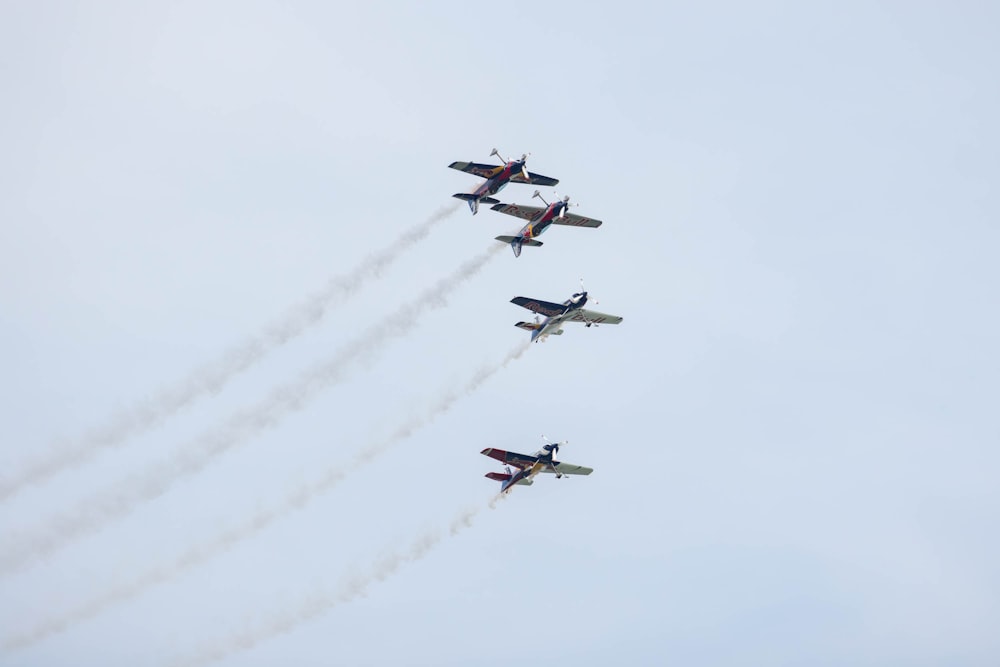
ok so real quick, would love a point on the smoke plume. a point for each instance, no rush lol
(322, 601)
(91, 514)
(295, 500)
(212, 377)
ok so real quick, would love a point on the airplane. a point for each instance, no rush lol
(539, 220)
(497, 177)
(529, 465)
(556, 314)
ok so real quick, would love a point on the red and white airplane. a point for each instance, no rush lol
(529, 465)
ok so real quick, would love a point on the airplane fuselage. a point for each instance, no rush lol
(553, 324)
(521, 475)
(538, 224)
(498, 181)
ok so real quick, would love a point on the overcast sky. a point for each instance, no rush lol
(794, 431)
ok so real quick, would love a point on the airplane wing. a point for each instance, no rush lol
(568, 469)
(479, 169)
(541, 307)
(584, 315)
(576, 221)
(525, 212)
(534, 179)
(510, 458)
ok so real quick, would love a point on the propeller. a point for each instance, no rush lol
(524, 157)
(565, 201)
(554, 446)
(584, 290)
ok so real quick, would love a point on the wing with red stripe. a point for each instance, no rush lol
(510, 458)
(575, 220)
(523, 212)
(482, 170)
(538, 306)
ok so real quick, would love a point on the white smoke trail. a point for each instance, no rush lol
(212, 377)
(294, 500)
(322, 601)
(91, 514)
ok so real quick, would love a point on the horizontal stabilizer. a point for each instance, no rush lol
(510, 239)
(530, 326)
(527, 481)
(467, 196)
(498, 476)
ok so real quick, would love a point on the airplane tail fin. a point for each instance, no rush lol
(516, 242)
(474, 201)
(470, 199)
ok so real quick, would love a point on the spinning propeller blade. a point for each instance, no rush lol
(554, 446)
(584, 290)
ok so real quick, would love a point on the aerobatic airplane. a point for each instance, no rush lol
(539, 220)
(571, 310)
(497, 177)
(529, 465)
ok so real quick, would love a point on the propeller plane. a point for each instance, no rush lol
(571, 310)
(529, 465)
(539, 220)
(497, 177)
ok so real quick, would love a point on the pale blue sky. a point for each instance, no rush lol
(793, 432)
